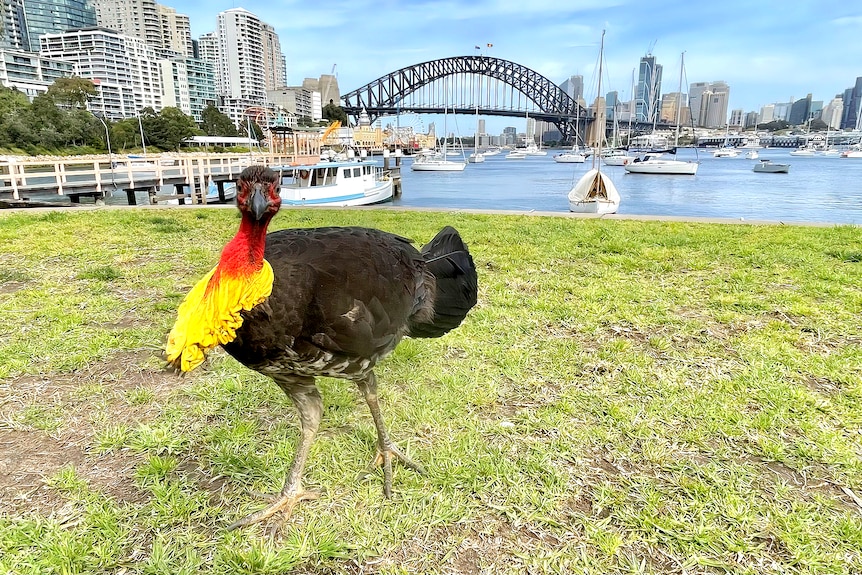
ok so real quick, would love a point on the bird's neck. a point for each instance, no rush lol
(243, 255)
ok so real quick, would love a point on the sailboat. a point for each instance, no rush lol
(595, 193)
(655, 163)
(573, 156)
(437, 162)
(726, 150)
(476, 157)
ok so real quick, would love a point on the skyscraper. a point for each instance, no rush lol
(53, 16)
(574, 87)
(695, 93)
(13, 26)
(648, 90)
(851, 115)
(159, 26)
(248, 61)
(709, 102)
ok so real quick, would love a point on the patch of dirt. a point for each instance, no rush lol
(84, 402)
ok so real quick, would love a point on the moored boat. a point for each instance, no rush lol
(339, 183)
(769, 167)
(656, 164)
(595, 192)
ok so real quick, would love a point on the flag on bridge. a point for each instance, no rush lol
(478, 47)
(490, 45)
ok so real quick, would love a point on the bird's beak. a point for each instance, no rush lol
(258, 203)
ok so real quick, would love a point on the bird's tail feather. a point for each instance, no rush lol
(448, 259)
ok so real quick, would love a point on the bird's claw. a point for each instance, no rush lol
(383, 458)
(283, 503)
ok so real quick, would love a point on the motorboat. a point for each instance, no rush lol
(770, 167)
(752, 154)
(516, 155)
(595, 192)
(570, 157)
(617, 158)
(657, 164)
(805, 151)
(476, 158)
(334, 183)
(726, 152)
(491, 152)
(855, 152)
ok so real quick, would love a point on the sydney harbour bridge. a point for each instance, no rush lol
(469, 85)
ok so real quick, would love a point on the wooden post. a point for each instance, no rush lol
(130, 196)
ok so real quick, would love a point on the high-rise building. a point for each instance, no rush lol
(249, 62)
(767, 113)
(672, 106)
(13, 26)
(852, 115)
(712, 103)
(159, 26)
(737, 117)
(30, 72)
(125, 70)
(648, 89)
(176, 33)
(53, 16)
(574, 87)
(800, 111)
(833, 112)
(695, 94)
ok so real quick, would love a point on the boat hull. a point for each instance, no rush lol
(594, 193)
(570, 158)
(437, 166)
(668, 167)
(766, 167)
(341, 184)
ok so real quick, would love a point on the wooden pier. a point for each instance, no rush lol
(33, 180)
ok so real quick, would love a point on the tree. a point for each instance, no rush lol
(214, 123)
(333, 111)
(167, 129)
(12, 101)
(72, 92)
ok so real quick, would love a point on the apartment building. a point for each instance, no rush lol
(126, 71)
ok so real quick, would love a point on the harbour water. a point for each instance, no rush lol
(817, 189)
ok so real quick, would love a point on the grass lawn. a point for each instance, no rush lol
(627, 397)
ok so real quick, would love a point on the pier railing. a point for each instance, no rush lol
(24, 177)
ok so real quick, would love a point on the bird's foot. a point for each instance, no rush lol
(383, 458)
(283, 502)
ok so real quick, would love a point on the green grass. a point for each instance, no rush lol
(627, 397)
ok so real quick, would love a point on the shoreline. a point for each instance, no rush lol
(539, 213)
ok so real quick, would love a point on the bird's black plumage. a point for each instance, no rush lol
(342, 298)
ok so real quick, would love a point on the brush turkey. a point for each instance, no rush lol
(297, 304)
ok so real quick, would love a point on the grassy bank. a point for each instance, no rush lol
(626, 397)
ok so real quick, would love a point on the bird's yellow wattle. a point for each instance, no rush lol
(210, 314)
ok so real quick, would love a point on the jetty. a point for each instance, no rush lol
(34, 180)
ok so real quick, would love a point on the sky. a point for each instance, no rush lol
(767, 51)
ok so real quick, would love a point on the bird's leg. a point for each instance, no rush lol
(385, 448)
(306, 398)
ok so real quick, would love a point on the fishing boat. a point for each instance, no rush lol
(769, 167)
(334, 183)
(595, 193)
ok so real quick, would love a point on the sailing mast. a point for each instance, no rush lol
(679, 106)
(597, 164)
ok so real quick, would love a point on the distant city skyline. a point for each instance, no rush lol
(769, 52)
(764, 66)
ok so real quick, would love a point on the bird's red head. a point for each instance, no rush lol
(257, 193)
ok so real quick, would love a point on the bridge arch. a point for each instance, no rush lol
(384, 96)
